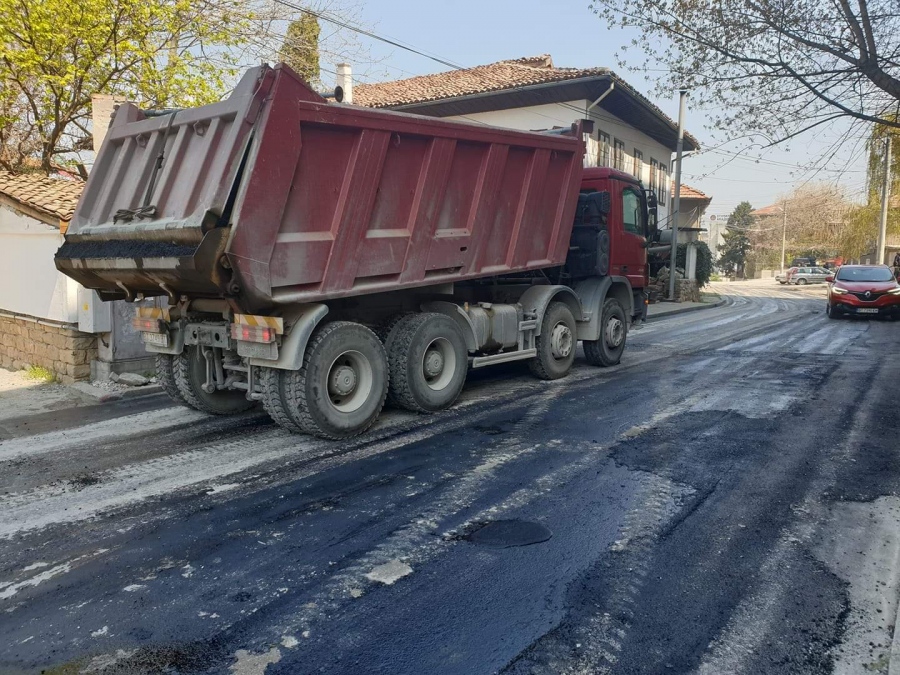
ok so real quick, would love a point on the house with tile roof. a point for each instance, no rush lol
(46, 318)
(532, 93)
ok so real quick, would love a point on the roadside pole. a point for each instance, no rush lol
(885, 198)
(676, 205)
(783, 231)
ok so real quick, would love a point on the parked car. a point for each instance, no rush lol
(809, 275)
(863, 290)
(784, 277)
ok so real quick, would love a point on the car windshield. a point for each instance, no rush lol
(865, 274)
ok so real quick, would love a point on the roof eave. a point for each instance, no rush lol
(43, 215)
(456, 102)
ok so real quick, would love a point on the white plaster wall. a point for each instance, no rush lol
(535, 118)
(29, 281)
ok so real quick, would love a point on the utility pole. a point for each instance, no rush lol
(676, 205)
(783, 231)
(885, 198)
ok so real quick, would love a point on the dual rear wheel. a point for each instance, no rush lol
(347, 373)
(420, 363)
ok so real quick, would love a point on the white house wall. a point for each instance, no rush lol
(535, 118)
(29, 281)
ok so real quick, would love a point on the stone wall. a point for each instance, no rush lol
(65, 352)
(687, 290)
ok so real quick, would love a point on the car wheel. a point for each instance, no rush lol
(802, 282)
(831, 312)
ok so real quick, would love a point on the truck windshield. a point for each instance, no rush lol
(865, 274)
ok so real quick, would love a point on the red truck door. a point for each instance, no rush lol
(628, 255)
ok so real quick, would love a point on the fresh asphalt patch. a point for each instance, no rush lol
(724, 502)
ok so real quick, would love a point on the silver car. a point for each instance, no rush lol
(809, 275)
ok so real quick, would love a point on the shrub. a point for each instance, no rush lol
(704, 261)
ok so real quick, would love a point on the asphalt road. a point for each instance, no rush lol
(725, 501)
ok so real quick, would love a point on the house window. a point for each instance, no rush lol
(603, 159)
(663, 183)
(638, 169)
(619, 155)
(654, 176)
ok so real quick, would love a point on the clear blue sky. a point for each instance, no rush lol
(470, 32)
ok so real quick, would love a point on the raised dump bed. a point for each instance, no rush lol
(275, 196)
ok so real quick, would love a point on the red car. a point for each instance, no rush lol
(863, 290)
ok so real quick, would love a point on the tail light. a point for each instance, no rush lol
(262, 334)
(148, 325)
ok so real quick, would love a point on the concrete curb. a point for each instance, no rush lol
(103, 395)
(685, 310)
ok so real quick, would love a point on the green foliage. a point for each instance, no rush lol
(40, 373)
(56, 53)
(733, 251)
(861, 232)
(704, 261)
(301, 47)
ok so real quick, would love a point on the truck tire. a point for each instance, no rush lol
(607, 350)
(165, 375)
(556, 343)
(341, 386)
(190, 376)
(271, 382)
(428, 362)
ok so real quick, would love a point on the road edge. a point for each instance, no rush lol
(685, 310)
(103, 395)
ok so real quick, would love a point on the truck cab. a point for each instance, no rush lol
(628, 222)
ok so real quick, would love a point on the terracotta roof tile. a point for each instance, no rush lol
(773, 210)
(492, 77)
(55, 197)
(688, 192)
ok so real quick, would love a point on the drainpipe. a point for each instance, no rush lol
(612, 85)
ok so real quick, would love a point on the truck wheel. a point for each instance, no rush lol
(428, 362)
(271, 382)
(190, 376)
(607, 350)
(341, 387)
(165, 375)
(556, 343)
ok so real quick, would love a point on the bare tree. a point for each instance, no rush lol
(776, 67)
(816, 223)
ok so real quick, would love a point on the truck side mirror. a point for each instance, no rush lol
(652, 216)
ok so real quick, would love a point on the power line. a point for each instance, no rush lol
(363, 31)
(595, 115)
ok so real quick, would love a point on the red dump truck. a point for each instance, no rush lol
(319, 257)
